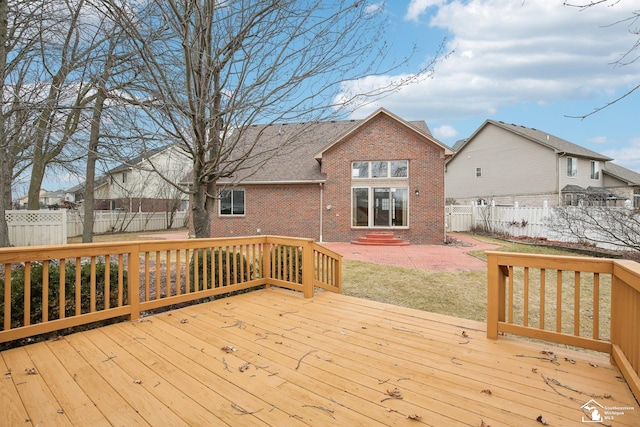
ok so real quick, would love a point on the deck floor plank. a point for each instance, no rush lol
(42, 406)
(11, 407)
(329, 360)
(105, 397)
(73, 400)
(426, 384)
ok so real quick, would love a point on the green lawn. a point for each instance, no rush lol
(459, 294)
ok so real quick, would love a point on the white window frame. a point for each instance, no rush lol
(572, 167)
(595, 169)
(478, 172)
(370, 170)
(232, 214)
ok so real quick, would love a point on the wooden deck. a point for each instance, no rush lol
(329, 360)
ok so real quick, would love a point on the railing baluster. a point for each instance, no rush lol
(543, 277)
(576, 304)
(596, 306)
(147, 286)
(63, 288)
(559, 301)
(78, 284)
(7, 296)
(92, 285)
(45, 291)
(526, 298)
(107, 282)
(510, 294)
(121, 279)
(27, 294)
(157, 271)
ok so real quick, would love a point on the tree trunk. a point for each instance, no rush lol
(89, 186)
(200, 213)
(6, 169)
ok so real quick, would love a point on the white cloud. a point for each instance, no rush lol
(419, 7)
(628, 156)
(514, 52)
(445, 131)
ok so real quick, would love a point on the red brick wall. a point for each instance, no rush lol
(294, 210)
(281, 210)
(386, 139)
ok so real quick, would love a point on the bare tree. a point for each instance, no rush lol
(213, 68)
(597, 225)
(630, 56)
(18, 49)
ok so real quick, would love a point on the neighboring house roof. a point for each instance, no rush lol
(291, 153)
(138, 159)
(559, 145)
(622, 173)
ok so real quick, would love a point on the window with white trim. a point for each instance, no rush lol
(232, 202)
(380, 193)
(478, 172)
(572, 167)
(595, 169)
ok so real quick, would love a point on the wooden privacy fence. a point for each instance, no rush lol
(593, 303)
(44, 289)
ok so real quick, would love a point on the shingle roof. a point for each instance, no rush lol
(622, 173)
(546, 139)
(290, 152)
(138, 159)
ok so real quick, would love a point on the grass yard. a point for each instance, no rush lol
(464, 294)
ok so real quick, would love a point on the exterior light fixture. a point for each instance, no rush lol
(417, 192)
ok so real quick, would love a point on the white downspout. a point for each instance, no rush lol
(321, 208)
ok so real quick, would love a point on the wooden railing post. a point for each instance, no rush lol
(266, 261)
(308, 269)
(495, 295)
(133, 282)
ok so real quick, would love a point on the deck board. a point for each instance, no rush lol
(329, 360)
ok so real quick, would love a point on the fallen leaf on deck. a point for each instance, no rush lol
(487, 392)
(61, 411)
(229, 349)
(137, 381)
(567, 359)
(184, 320)
(542, 420)
(483, 424)
(244, 367)
(534, 370)
(607, 396)
(413, 416)
(395, 393)
(593, 365)
(31, 371)
(464, 334)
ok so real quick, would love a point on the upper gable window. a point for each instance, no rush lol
(380, 169)
(572, 167)
(478, 172)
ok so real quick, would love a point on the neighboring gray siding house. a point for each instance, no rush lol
(507, 163)
(623, 182)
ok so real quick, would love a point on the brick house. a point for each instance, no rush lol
(337, 181)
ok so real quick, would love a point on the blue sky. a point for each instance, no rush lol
(527, 62)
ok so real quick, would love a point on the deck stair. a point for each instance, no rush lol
(380, 239)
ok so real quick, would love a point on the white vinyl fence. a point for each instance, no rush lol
(30, 228)
(52, 227)
(528, 222)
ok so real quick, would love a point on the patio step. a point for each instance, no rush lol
(380, 239)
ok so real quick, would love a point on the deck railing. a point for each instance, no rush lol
(49, 288)
(593, 303)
